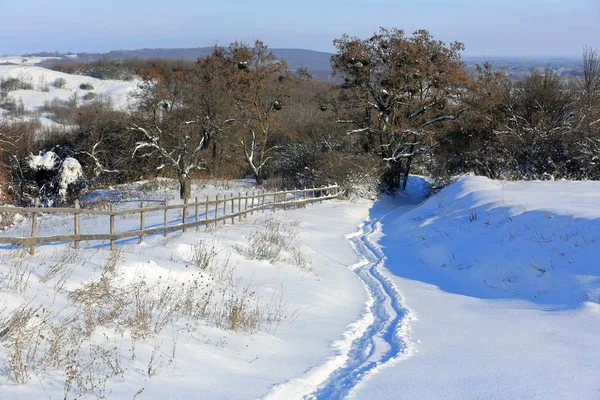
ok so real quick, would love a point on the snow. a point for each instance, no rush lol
(119, 92)
(70, 172)
(488, 322)
(207, 358)
(485, 290)
(45, 161)
(20, 60)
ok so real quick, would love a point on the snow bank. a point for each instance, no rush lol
(503, 279)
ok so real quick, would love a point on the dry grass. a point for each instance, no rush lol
(43, 338)
(203, 254)
(270, 238)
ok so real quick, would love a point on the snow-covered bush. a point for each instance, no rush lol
(11, 84)
(60, 83)
(271, 238)
(51, 179)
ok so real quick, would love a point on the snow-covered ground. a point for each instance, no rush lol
(311, 303)
(486, 290)
(503, 282)
(20, 60)
(42, 80)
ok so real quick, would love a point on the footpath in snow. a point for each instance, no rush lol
(486, 290)
(503, 285)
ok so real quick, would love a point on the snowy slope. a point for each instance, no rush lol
(195, 358)
(486, 290)
(38, 77)
(503, 281)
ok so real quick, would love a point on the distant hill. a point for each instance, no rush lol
(317, 62)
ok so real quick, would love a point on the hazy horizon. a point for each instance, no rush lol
(539, 28)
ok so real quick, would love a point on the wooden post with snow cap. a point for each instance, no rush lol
(196, 215)
(246, 205)
(112, 226)
(264, 200)
(304, 197)
(166, 217)
(142, 222)
(34, 218)
(185, 212)
(77, 223)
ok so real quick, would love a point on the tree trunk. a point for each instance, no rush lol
(258, 177)
(185, 187)
(407, 168)
(406, 173)
(391, 176)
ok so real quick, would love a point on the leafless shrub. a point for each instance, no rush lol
(17, 276)
(60, 83)
(20, 335)
(271, 237)
(203, 254)
(239, 311)
(300, 259)
(58, 262)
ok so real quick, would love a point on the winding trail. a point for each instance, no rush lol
(379, 336)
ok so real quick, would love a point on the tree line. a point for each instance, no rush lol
(403, 104)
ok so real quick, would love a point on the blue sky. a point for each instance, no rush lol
(488, 28)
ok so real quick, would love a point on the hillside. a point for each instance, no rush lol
(491, 287)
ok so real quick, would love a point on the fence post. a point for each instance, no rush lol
(216, 209)
(112, 226)
(184, 217)
(304, 197)
(274, 201)
(240, 206)
(142, 222)
(295, 193)
(246, 205)
(77, 226)
(206, 214)
(232, 209)
(166, 217)
(34, 218)
(224, 209)
(264, 200)
(196, 213)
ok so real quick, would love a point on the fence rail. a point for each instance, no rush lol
(223, 209)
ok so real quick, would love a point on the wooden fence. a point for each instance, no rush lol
(224, 209)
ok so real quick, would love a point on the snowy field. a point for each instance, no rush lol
(44, 90)
(484, 290)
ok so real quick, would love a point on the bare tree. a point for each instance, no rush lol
(263, 84)
(181, 108)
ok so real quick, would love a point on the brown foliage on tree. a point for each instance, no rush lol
(398, 90)
(263, 86)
